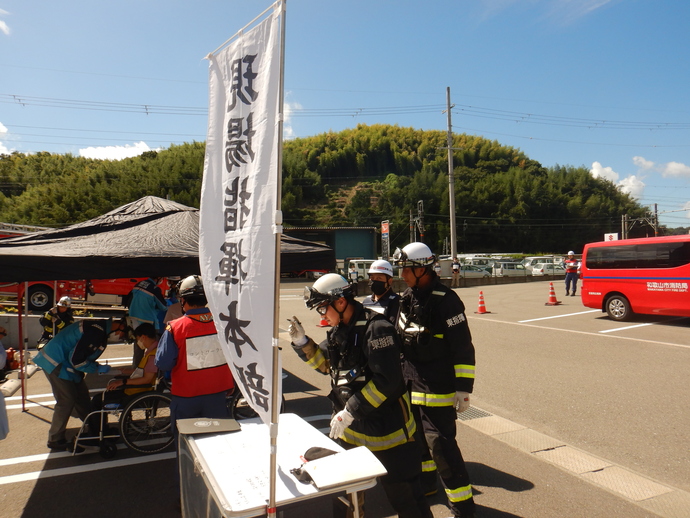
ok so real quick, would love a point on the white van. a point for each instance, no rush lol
(362, 266)
(509, 269)
(529, 262)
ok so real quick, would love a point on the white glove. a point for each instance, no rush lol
(340, 421)
(296, 332)
(461, 401)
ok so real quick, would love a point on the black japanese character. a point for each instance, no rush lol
(242, 85)
(237, 149)
(234, 333)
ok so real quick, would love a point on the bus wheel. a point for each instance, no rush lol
(618, 308)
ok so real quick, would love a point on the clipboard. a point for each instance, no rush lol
(199, 425)
(344, 467)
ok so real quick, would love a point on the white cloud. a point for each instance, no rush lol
(115, 152)
(669, 169)
(563, 11)
(632, 185)
(675, 169)
(4, 150)
(4, 28)
(288, 108)
(643, 163)
(607, 173)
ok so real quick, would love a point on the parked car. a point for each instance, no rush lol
(509, 269)
(473, 272)
(529, 262)
(547, 269)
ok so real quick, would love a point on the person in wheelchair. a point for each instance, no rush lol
(132, 381)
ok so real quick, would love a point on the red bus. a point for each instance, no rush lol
(647, 276)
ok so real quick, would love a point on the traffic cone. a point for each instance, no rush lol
(323, 323)
(552, 297)
(482, 308)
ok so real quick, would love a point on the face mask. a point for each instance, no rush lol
(378, 287)
(141, 344)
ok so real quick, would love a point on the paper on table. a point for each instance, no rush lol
(347, 466)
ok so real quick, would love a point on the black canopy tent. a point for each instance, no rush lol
(148, 237)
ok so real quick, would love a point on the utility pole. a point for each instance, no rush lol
(451, 180)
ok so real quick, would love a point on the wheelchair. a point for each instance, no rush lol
(143, 424)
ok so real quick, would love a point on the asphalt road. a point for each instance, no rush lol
(616, 393)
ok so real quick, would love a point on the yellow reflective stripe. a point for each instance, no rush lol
(317, 360)
(441, 293)
(460, 494)
(422, 399)
(373, 395)
(464, 371)
(385, 442)
(439, 336)
(428, 466)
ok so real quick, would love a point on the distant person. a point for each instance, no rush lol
(455, 281)
(66, 360)
(353, 277)
(147, 301)
(174, 307)
(572, 266)
(56, 319)
(437, 269)
(382, 299)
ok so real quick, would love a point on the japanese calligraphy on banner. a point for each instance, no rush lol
(237, 231)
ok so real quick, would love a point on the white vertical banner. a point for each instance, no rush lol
(237, 229)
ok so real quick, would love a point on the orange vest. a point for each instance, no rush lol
(201, 368)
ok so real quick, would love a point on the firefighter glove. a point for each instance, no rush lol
(296, 331)
(340, 421)
(461, 401)
(103, 369)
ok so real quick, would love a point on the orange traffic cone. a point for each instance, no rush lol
(482, 308)
(552, 297)
(323, 323)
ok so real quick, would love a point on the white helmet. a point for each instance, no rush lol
(414, 255)
(571, 253)
(190, 286)
(328, 288)
(381, 266)
(65, 302)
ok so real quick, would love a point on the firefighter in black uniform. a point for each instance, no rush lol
(438, 365)
(370, 404)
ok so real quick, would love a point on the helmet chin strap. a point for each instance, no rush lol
(416, 279)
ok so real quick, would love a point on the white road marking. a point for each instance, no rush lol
(35, 475)
(483, 319)
(560, 316)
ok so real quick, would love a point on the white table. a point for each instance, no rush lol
(227, 474)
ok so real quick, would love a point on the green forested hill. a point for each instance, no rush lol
(504, 200)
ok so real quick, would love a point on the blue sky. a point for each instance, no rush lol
(602, 84)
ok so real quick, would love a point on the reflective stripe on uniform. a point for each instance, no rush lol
(385, 442)
(317, 360)
(460, 494)
(464, 371)
(422, 399)
(428, 466)
(373, 395)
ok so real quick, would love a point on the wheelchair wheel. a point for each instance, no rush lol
(145, 423)
(107, 450)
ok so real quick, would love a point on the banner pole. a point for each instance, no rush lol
(275, 401)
